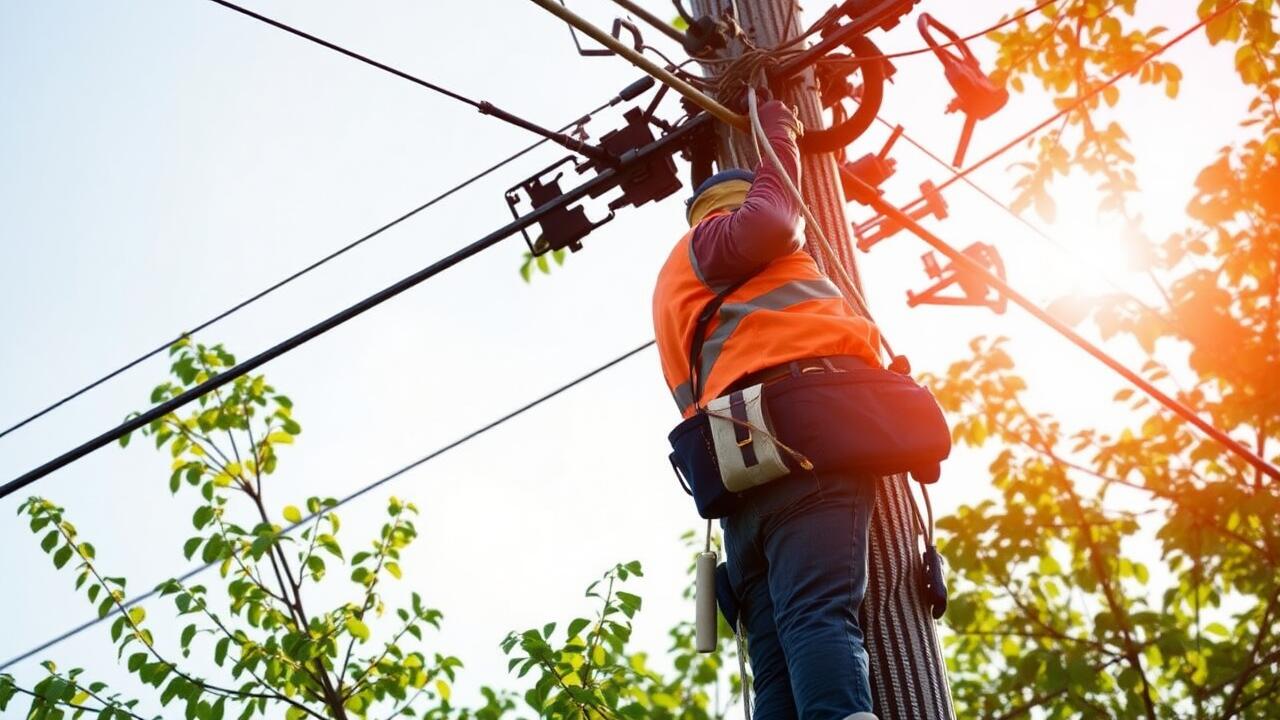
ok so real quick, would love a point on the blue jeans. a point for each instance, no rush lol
(797, 555)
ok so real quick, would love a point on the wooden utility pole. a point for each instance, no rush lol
(908, 675)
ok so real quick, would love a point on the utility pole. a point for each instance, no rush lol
(908, 675)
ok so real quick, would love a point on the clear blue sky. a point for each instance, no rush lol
(162, 160)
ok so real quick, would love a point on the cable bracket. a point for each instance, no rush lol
(976, 292)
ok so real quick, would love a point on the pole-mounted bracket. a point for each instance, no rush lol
(881, 227)
(651, 180)
(976, 292)
(563, 227)
(873, 169)
(976, 96)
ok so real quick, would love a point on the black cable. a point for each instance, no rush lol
(602, 182)
(314, 265)
(483, 106)
(376, 483)
(351, 54)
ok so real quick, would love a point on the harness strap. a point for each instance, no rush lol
(700, 337)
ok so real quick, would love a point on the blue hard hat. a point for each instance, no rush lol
(722, 176)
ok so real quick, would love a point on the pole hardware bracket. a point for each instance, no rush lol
(651, 179)
(619, 24)
(873, 169)
(563, 227)
(644, 182)
(881, 227)
(976, 95)
(975, 291)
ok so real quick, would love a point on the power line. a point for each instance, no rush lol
(602, 182)
(362, 491)
(971, 266)
(1061, 246)
(485, 107)
(627, 93)
(352, 54)
(952, 43)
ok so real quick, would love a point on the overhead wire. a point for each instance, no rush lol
(604, 180)
(363, 490)
(484, 106)
(301, 272)
(952, 43)
(477, 104)
(1033, 227)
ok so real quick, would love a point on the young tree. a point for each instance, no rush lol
(276, 652)
(277, 655)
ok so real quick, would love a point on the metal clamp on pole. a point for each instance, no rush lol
(882, 226)
(975, 291)
(976, 96)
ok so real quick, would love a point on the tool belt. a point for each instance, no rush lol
(820, 414)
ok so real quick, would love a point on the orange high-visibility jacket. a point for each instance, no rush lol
(787, 311)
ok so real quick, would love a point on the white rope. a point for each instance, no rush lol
(849, 288)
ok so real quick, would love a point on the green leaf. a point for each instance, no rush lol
(292, 514)
(577, 626)
(189, 547)
(357, 629)
(61, 557)
(220, 650)
(1218, 629)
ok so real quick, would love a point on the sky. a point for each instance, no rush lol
(160, 161)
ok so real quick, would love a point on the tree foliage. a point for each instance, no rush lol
(1122, 573)
(361, 658)
(1133, 573)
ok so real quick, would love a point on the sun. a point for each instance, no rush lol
(1087, 252)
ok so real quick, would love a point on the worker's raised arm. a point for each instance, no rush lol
(768, 225)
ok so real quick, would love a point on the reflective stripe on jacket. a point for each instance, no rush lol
(787, 311)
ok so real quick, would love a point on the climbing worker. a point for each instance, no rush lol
(739, 303)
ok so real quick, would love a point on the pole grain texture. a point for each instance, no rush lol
(908, 674)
